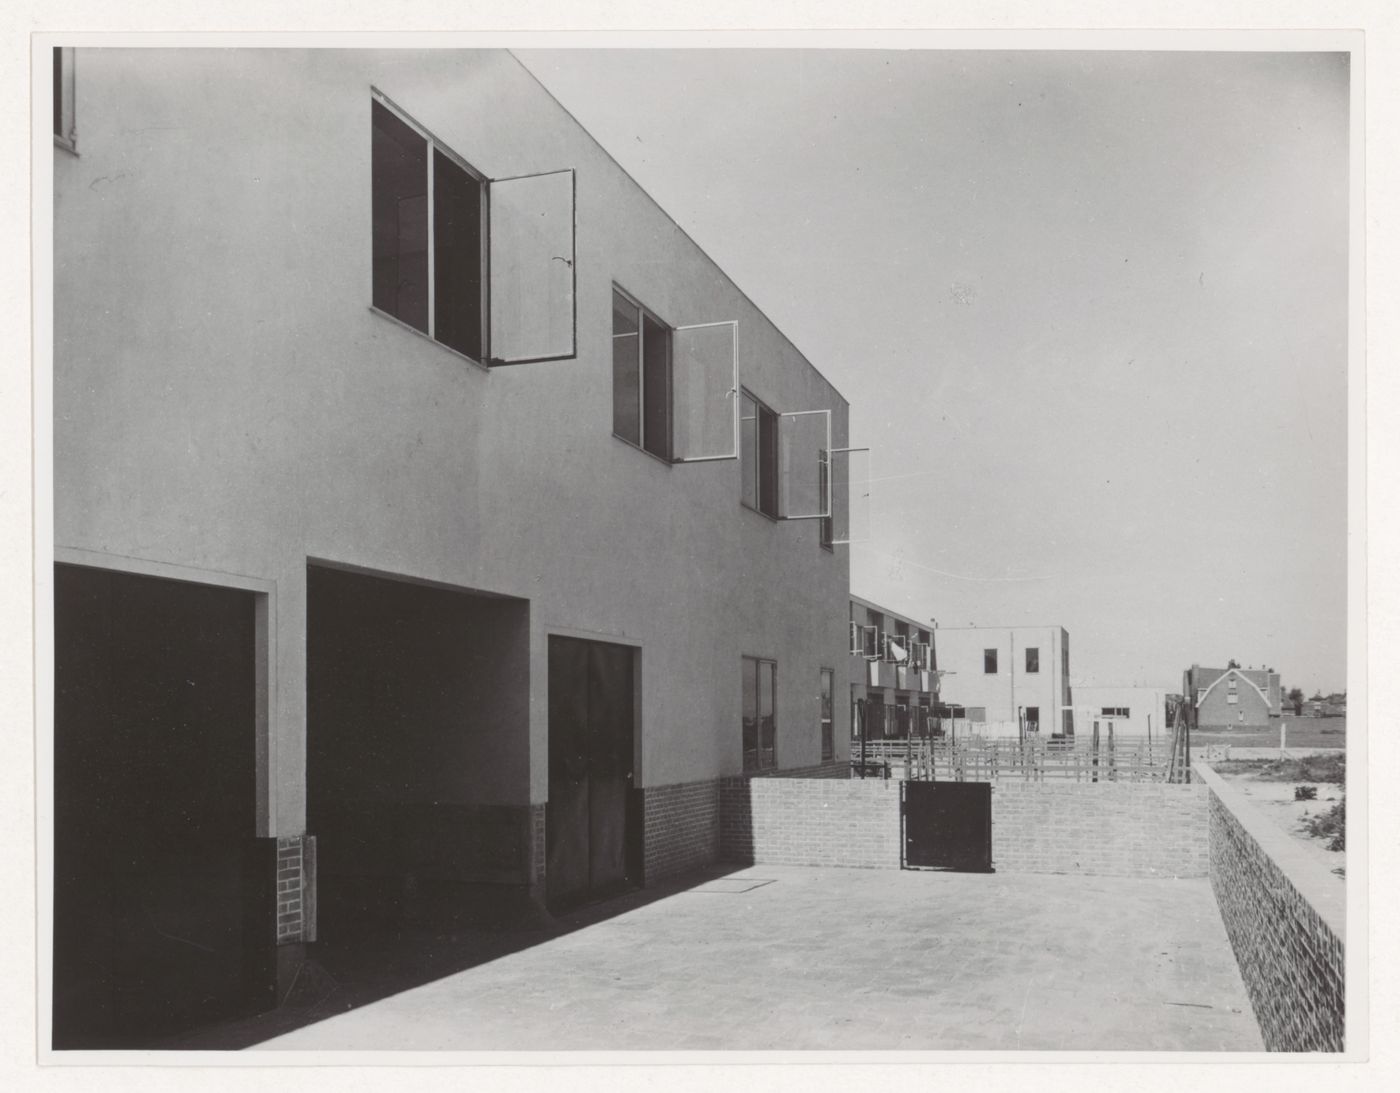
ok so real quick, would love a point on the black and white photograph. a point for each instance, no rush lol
(729, 548)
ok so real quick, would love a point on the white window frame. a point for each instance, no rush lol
(434, 144)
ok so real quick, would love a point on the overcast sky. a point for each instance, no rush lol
(1089, 309)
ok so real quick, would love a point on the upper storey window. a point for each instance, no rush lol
(641, 376)
(758, 455)
(64, 87)
(484, 266)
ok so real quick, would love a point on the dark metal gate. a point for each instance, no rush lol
(947, 825)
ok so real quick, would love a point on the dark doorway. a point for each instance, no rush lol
(162, 913)
(948, 825)
(417, 754)
(589, 852)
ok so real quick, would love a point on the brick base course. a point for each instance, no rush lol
(680, 828)
(1285, 917)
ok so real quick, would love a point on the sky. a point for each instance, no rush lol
(1089, 310)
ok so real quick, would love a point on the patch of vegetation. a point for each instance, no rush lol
(1305, 793)
(1331, 825)
(1310, 768)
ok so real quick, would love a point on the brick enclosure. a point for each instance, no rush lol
(1285, 917)
(1114, 829)
(680, 827)
(1128, 830)
(296, 889)
(810, 821)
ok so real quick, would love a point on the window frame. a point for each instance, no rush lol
(433, 145)
(989, 662)
(1032, 667)
(758, 765)
(644, 313)
(762, 412)
(65, 99)
(826, 712)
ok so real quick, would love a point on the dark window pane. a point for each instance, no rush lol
(456, 257)
(58, 92)
(767, 753)
(627, 374)
(656, 387)
(1032, 660)
(989, 661)
(750, 713)
(748, 449)
(400, 209)
(767, 461)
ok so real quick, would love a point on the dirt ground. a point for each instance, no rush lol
(1275, 800)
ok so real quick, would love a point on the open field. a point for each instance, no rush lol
(1303, 732)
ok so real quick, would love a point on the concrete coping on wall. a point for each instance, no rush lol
(1313, 881)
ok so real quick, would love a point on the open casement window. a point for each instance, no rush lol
(870, 642)
(758, 455)
(484, 266)
(641, 348)
(705, 384)
(847, 472)
(804, 451)
(856, 643)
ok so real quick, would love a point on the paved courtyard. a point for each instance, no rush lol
(781, 958)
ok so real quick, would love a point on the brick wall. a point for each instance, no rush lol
(1286, 919)
(821, 821)
(296, 889)
(680, 828)
(1115, 829)
(1130, 829)
(832, 768)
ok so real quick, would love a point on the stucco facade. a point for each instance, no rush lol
(1137, 710)
(231, 411)
(1005, 675)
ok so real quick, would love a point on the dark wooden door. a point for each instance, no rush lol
(948, 825)
(591, 694)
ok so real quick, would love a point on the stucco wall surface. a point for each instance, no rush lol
(227, 400)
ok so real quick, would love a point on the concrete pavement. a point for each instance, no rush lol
(778, 958)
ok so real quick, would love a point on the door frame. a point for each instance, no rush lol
(634, 814)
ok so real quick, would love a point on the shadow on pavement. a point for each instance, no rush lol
(341, 976)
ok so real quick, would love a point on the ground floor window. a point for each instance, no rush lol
(760, 687)
(1032, 719)
(828, 739)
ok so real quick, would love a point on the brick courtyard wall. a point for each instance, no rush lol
(1112, 829)
(811, 821)
(1126, 830)
(1285, 915)
(835, 768)
(680, 828)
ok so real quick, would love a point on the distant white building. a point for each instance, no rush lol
(1007, 677)
(1135, 710)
